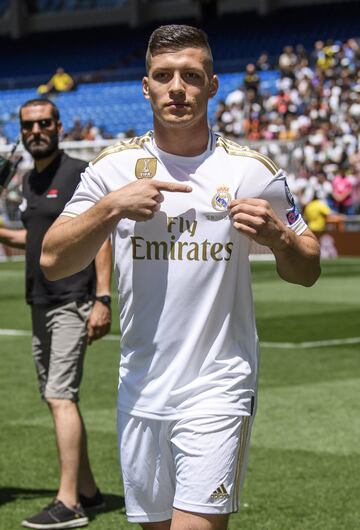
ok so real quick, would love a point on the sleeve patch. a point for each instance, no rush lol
(292, 215)
(289, 195)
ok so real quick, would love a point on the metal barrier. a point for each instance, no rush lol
(281, 152)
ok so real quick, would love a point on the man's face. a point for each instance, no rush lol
(39, 131)
(179, 87)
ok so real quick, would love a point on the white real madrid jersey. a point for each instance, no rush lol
(189, 344)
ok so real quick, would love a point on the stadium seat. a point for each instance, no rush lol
(236, 38)
(117, 106)
(4, 4)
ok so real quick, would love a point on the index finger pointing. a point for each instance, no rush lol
(172, 186)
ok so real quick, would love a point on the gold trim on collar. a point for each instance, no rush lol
(133, 143)
(232, 148)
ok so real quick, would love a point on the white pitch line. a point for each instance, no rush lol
(111, 337)
(15, 332)
(310, 344)
(264, 344)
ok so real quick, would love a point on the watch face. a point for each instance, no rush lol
(104, 299)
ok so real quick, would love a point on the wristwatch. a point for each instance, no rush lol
(104, 299)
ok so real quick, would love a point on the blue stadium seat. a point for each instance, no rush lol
(4, 4)
(43, 5)
(234, 38)
(70, 5)
(116, 106)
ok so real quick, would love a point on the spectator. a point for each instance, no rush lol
(65, 314)
(89, 131)
(76, 131)
(323, 187)
(59, 82)
(315, 214)
(342, 192)
(251, 78)
(287, 62)
(263, 63)
(236, 96)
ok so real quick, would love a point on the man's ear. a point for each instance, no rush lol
(60, 127)
(214, 85)
(145, 87)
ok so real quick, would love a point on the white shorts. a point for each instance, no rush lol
(193, 464)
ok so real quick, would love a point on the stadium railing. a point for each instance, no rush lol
(279, 151)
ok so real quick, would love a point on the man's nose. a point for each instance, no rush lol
(36, 128)
(177, 85)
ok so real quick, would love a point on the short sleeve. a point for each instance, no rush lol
(278, 194)
(89, 191)
(325, 209)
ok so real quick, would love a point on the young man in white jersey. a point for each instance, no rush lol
(183, 205)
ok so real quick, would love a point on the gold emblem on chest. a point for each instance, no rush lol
(145, 168)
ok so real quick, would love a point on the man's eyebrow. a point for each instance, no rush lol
(181, 67)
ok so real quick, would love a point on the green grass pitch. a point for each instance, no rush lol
(305, 451)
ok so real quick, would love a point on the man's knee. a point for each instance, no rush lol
(60, 405)
(162, 525)
(182, 520)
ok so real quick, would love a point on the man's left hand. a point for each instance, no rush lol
(99, 323)
(256, 219)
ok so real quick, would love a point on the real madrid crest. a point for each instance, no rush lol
(221, 199)
(145, 168)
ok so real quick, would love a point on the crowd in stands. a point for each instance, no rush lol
(315, 114)
(317, 106)
(87, 131)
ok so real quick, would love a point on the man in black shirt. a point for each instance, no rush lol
(66, 314)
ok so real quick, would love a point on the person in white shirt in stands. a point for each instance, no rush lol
(182, 205)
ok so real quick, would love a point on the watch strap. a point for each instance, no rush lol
(104, 299)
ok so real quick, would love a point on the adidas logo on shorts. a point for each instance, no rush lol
(219, 493)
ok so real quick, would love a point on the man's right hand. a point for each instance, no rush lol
(13, 238)
(71, 243)
(141, 199)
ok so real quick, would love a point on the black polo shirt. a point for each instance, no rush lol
(45, 195)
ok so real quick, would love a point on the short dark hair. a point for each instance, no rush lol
(174, 37)
(38, 102)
